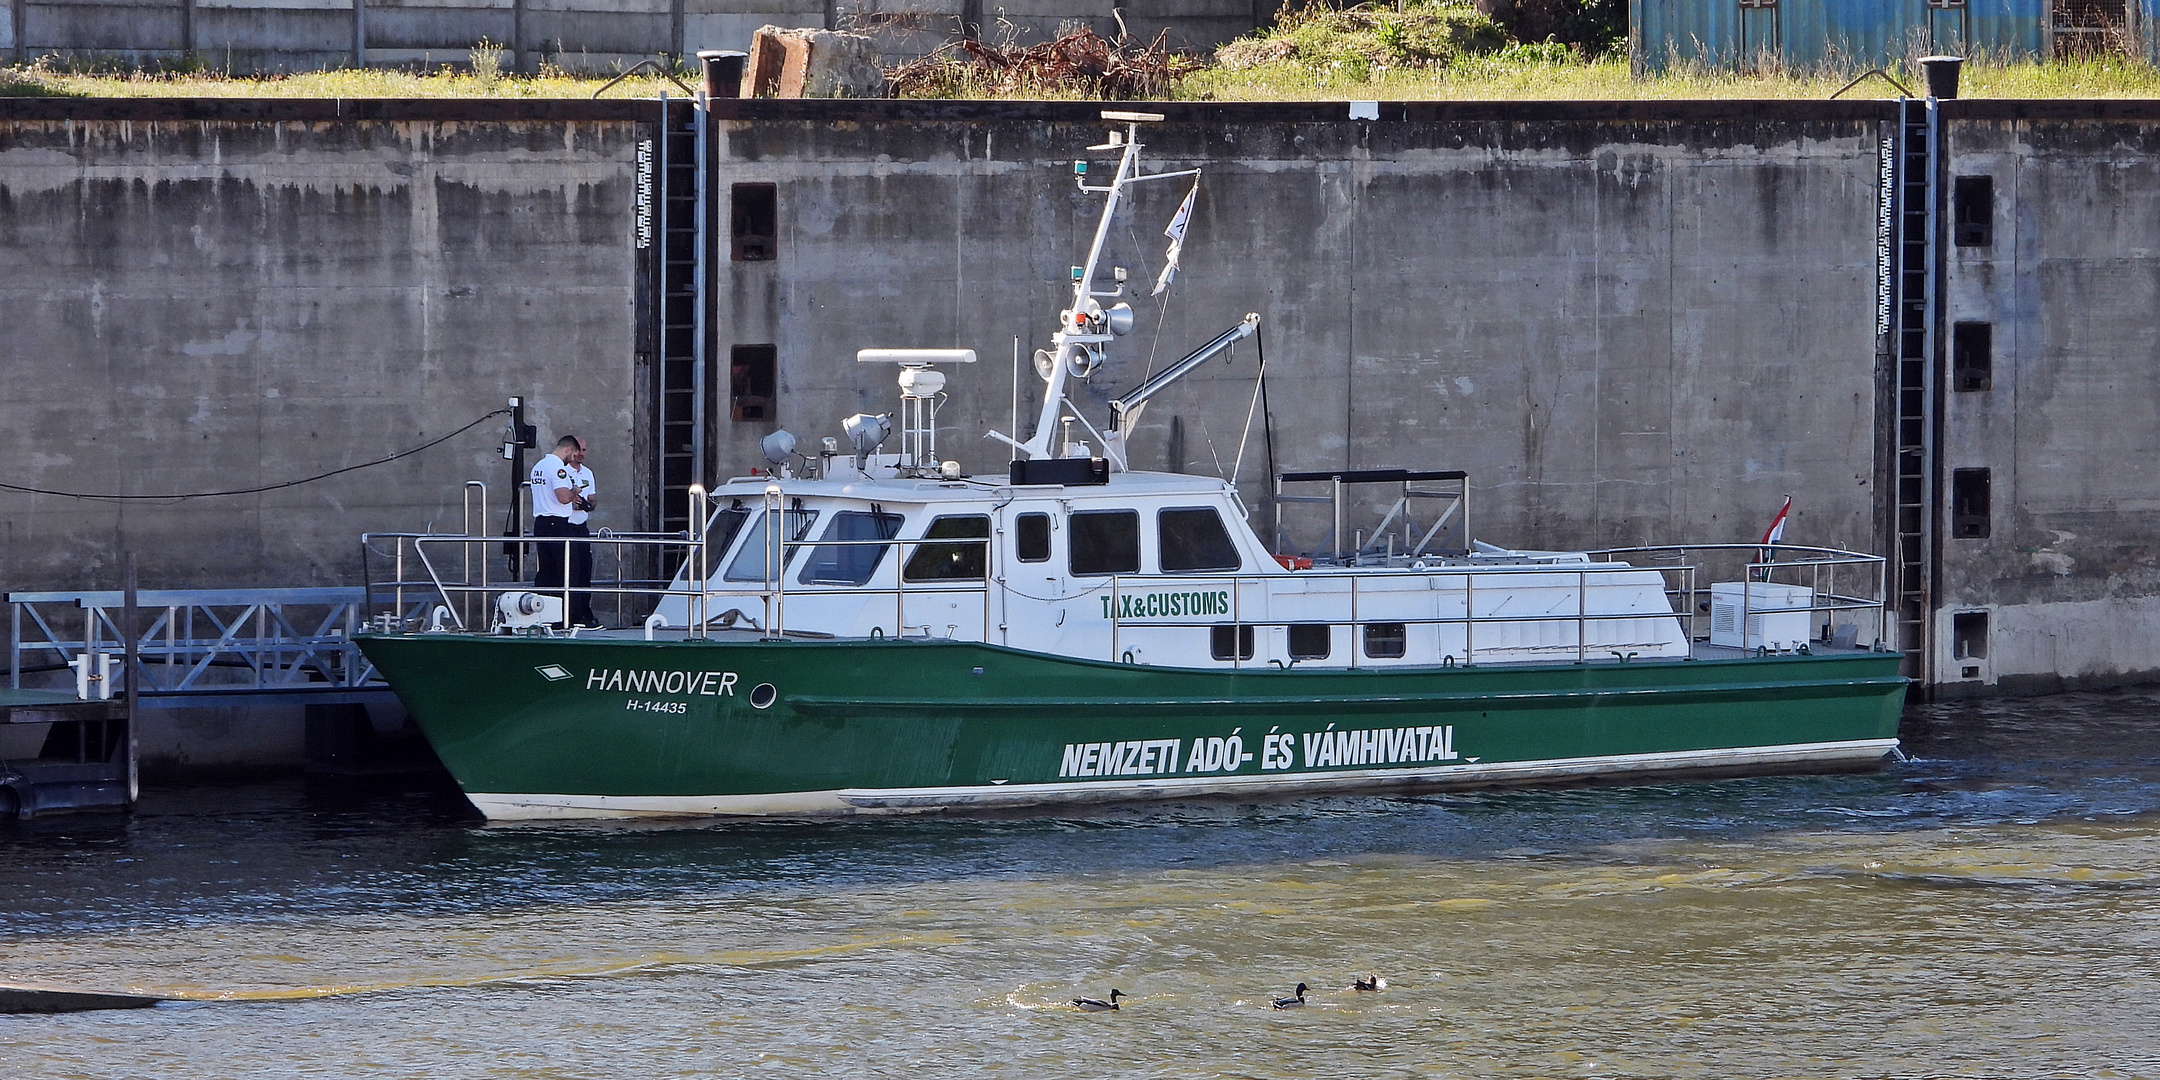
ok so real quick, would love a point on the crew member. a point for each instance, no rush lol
(562, 498)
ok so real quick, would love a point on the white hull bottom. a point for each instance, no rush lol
(850, 802)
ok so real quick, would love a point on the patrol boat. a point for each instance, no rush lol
(869, 632)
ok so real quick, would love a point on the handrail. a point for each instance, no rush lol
(1817, 568)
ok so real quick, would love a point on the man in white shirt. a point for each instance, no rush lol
(562, 498)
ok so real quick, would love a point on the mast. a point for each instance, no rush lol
(1084, 327)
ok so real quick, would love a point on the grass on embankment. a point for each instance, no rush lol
(1507, 76)
(480, 76)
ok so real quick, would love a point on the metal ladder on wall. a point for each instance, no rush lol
(681, 330)
(1912, 341)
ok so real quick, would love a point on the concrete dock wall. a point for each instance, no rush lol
(2060, 589)
(205, 304)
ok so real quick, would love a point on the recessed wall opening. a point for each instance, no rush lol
(754, 221)
(1972, 356)
(1969, 503)
(1972, 202)
(753, 375)
(1969, 635)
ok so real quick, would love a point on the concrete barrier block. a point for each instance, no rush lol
(695, 8)
(275, 5)
(162, 5)
(627, 32)
(734, 31)
(812, 63)
(274, 31)
(100, 28)
(504, 6)
(447, 35)
(595, 8)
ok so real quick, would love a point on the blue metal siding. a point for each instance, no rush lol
(1841, 34)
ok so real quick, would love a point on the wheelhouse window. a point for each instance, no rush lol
(1385, 640)
(1194, 539)
(1031, 538)
(851, 563)
(964, 561)
(1104, 542)
(749, 564)
(1231, 642)
(720, 534)
(1311, 641)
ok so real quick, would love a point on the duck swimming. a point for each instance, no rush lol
(1370, 982)
(1098, 1004)
(1297, 1002)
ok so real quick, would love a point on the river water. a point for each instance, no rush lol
(1991, 908)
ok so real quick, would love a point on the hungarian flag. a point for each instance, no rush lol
(1176, 233)
(1772, 535)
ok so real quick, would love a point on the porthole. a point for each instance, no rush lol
(762, 695)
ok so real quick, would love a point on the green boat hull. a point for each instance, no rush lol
(559, 727)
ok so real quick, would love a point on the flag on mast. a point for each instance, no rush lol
(1773, 535)
(1176, 233)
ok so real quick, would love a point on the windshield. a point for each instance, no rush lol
(749, 564)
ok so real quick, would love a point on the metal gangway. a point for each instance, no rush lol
(194, 647)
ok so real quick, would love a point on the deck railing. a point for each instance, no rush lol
(433, 586)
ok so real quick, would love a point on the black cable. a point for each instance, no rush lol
(267, 487)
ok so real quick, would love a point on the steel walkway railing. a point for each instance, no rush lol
(197, 647)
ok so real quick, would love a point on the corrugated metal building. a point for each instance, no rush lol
(1857, 34)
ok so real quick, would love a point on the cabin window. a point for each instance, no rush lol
(1194, 539)
(952, 562)
(853, 563)
(720, 534)
(749, 564)
(753, 376)
(1231, 642)
(754, 219)
(1105, 542)
(1972, 356)
(1385, 640)
(1031, 538)
(1311, 641)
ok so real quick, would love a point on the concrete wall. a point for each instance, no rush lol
(1631, 325)
(197, 302)
(2068, 579)
(581, 35)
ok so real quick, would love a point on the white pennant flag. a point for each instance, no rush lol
(1176, 233)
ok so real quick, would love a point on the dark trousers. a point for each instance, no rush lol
(549, 577)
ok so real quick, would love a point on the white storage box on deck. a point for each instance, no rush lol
(1777, 615)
